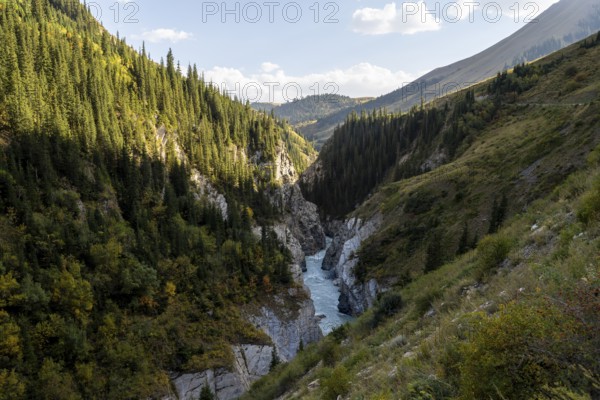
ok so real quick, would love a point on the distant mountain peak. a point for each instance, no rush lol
(562, 24)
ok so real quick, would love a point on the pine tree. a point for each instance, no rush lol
(435, 256)
(275, 361)
(498, 214)
(206, 394)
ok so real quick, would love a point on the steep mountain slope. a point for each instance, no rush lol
(495, 148)
(474, 262)
(562, 24)
(311, 108)
(140, 215)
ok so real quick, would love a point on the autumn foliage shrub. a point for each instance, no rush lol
(531, 350)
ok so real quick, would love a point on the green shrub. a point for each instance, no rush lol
(531, 350)
(425, 299)
(589, 205)
(389, 304)
(330, 352)
(206, 394)
(572, 86)
(428, 388)
(571, 71)
(340, 333)
(491, 252)
(336, 384)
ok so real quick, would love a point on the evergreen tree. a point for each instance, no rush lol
(206, 394)
(275, 361)
(463, 244)
(435, 254)
(498, 214)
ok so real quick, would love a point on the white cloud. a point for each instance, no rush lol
(164, 35)
(277, 86)
(421, 16)
(269, 67)
(406, 19)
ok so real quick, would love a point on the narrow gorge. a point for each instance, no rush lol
(303, 314)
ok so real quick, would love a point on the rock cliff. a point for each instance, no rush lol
(356, 297)
(287, 237)
(251, 363)
(300, 217)
(204, 189)
(288, 327)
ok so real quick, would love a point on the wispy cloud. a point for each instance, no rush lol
(269, 67)
(164, 35)
(415, 16)
(406, 19)
(273, 84)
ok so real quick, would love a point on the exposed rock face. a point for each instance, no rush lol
(301, 217)
(288, 330)
(287, 327)
(281, 169)
(251, 363)
(206, 189)
(356, 297)
(284, 170)
(287, 237)
(312, 173)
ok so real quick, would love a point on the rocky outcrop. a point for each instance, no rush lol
(281, 169)
(287, 237)
(251, 363)
(287, 322)
(204, 189)
(356, 297)
(300, 222)
(300, 216)
(312, 174)
(287, 327)
(284, 170)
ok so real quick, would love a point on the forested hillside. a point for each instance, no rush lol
(371, 149)
(301, 111)
(114, 269)
(367, 148)
(477, 247)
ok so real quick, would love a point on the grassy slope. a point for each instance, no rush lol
(536, 142)
(542, 147)
(409, 353)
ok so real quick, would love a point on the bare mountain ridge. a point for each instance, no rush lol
(562, 24)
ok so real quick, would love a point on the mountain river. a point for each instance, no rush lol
(324, 293)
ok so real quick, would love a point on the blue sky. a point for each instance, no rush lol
(280, 50)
